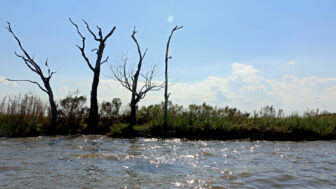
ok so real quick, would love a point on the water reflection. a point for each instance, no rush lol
(102, 162)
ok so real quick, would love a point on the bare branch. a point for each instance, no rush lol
(93, 34)
(104, 61)
(177, 28)
(79, 33)
(85, 57)
(46, 64)
(168, 43)
(149, 85)
(27, 62)
(141, 56)
(109, 34)
(52, 73)
(34, 82)
(144, 54)
(100, 33)
(27, 59)
(30, 63)
(82, 49)
(9, 28)
(121, 75)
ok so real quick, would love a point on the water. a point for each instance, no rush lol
(103, 162)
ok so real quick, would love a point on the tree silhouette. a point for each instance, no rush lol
(33, 66)
(93, 115)
(129, 80)
(166, 95)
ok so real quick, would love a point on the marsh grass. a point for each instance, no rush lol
(28, 115)
(206, 122)
(24, 115)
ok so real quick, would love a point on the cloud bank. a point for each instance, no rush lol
(245, 88)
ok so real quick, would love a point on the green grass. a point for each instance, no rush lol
(213, 123)
(28, 115)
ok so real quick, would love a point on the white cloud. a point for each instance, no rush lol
(242, 69)
(245, 88)
(292, 62)
(63, 89)
(3, 80)
(170, 19)
(245, 73)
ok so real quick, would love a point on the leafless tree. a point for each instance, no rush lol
(166, 95)
(33, 66)
(93, 115)
(129, 80)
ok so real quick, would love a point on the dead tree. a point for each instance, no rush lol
(33, 66)
(129, 80)
(93, 115)
(166, 95)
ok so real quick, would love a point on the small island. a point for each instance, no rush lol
(28, 115)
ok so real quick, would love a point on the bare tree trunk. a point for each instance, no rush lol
(133, 111)
(166, 95)
(53, 108)
(93, 114)
(53, 111)
(33, 66)
(135, 99)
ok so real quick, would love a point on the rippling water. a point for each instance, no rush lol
(100, 162)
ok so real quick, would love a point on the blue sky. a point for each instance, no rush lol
(242, 53)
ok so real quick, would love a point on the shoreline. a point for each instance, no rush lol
(233, 135)
(288, 138)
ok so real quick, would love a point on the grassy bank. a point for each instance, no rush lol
(206, 122)
(28, 115)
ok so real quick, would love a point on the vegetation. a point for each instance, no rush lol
(23, 116)
(28, 115)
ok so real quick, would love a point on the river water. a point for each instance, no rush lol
(103, 162)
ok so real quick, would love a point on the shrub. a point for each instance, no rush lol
(72, 113)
